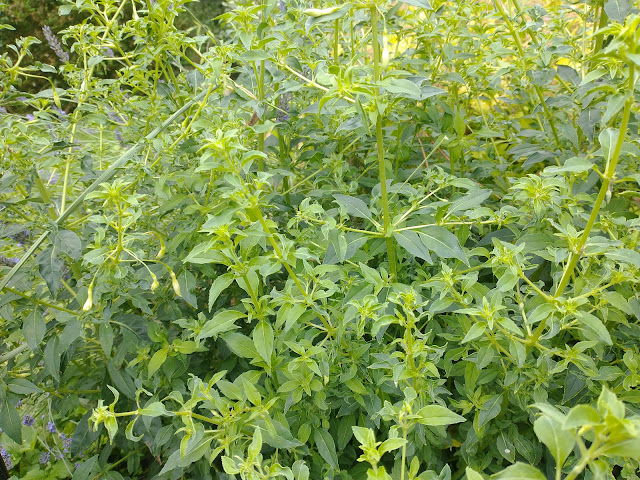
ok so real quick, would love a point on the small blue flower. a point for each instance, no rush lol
(108, 52)
(30, 117)
(28, 420)
(44, 458)
(283, 7)
(6, 458)
(54, 44)
(51, 427)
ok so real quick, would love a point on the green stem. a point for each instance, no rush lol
(261, 135)
(13, 353)
(404, 452)
(336, 41)
(283, 160)
(608, 177)
(600, 37)
(382, 171)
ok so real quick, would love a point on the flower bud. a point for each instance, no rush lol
(155, 283)
(385, 50)
(89, 303)
(175, 284)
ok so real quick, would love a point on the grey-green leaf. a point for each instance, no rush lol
(617, 9)
(33, 329)
(326, 447)
(625, 255)
(443, 242)
(434, 415)
(519, 471)
(218, 286)
(221, 322)
(560, 442)
(10, 422)
(491, 409)
(472, 199)
(355, 207)
(410, 241)
(263, 340)
(419, 3)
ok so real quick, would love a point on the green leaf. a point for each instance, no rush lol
(10, 422)
(476, 330)
(519, 471)
(391, 444)
(187, 282)
(68, 242)
(52, 358)
(221, 322)
(608, 139)
(624, 255)
(50, 268)
(614, 105)
(560, 442)
(470, 200)
(491, 409)
(155, 409)
(581, 415)
(594, 75)
(594, 324)
(617, 10)
(573, 164)
(34, 329)
(626, 448)
(402, 87)
(419, 3)
(410, 241)
(84, 436)
(22, 386)
(85, 470)
(218, 286)
(434, 415)
(472, 474)
(326, 447)
(365, 436)
(263, 340)
(355, 207)
(157, 360)
(255, 55)
(443, 242)
(240, 344)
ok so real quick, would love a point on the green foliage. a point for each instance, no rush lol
(357, 240)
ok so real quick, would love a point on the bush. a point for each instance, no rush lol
(366, 241)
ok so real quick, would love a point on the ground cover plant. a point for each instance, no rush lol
(362, 240)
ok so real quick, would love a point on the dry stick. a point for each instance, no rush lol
(110, 172)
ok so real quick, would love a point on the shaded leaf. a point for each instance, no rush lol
(326, 447)
(444, 243)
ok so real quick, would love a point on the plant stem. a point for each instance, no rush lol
(600, 37)
(608, 177)
(13, 353)
(404, 453)
(283, 159)
(261, 98)
(336, 41)
(382, 172)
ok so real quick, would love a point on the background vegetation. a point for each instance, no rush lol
(365, 240)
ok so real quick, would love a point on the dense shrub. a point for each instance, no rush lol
(371, 240)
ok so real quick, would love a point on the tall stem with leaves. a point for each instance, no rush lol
(604, 188)
(382, 172)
